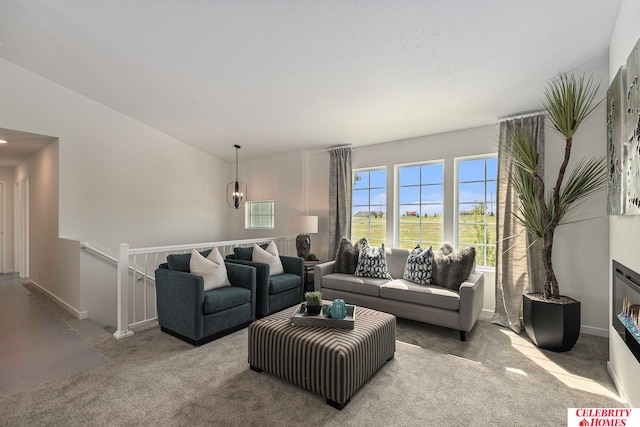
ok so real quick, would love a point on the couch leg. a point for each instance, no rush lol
(463, 336)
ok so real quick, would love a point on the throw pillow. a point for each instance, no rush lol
(212, 269)
(347, 256)
(372, 262)
(419, 266)
(269, 256)
(180, 262)
(450, 270)
(245, 254)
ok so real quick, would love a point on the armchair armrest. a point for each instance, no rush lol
(180, 297)
(471, 300)
(262, 281)
(293, 265)
(319, 271)
(243, 276)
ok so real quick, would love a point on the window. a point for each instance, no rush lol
(369, 205)
(420, 205)
(476, 213)
(259, 214)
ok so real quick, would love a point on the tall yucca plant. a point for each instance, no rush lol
(568, 101)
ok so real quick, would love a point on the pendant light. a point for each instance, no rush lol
(236, 190)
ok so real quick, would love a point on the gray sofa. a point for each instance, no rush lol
(430, 304)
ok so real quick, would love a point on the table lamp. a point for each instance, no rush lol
(304, 225)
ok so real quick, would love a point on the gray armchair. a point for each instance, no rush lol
(187, 312)
(273, 293)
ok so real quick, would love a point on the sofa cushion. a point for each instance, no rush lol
(419, 265)
(180, 262)
(347, 256)
(245, 254)
(434, 296)
(221, 299)
(268, 256)
(450, 270)
(372, 262)
(351, 283)
(284, 282)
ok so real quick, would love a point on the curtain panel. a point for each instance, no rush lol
(340, 181)
(519, 267)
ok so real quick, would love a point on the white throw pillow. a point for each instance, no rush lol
(269, 256)
(212, 269)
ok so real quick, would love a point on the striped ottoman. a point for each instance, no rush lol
(333, 363)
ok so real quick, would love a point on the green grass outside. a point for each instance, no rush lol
(428, 233)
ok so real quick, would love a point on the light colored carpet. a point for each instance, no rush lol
(495, 378)
(35, 346)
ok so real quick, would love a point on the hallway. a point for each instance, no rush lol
(39, 341)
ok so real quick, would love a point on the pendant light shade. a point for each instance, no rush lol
(236, 190)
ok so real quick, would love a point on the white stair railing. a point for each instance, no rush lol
(135, 278)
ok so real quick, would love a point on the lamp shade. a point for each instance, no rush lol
(303, 224)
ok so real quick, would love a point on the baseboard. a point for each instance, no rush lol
(616, 382)
(598, 332)
(80, 315)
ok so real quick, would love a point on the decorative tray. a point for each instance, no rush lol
(301, 318)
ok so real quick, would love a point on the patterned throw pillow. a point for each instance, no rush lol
(419, 266)
(372, 262)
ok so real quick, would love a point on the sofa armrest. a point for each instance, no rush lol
(262, 281)
(243, 276)
(293, 265)
(180, 297)
(319, 271)
(471, 300)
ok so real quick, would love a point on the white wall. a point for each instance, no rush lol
(7, 177)
(113, 180)
(624, 231)
(120, 180)
(279, 178)
(41, 170)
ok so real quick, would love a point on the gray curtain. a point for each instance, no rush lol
(519, 266)
(339, 197)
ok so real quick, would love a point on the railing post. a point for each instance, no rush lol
(123, 292)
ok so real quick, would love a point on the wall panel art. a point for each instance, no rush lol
(616, 147)
(632, 166)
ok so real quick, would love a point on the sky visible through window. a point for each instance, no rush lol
(369, 188)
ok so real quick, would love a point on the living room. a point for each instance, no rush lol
(106, 174)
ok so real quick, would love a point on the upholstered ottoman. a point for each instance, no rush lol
(333, 363)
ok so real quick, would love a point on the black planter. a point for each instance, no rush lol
(550, 325)
(313, 310)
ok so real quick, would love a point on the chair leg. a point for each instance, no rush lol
(463, 336)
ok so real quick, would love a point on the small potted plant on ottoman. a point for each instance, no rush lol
(314, 302)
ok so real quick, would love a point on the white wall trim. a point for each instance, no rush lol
(591, 330)
(80, 315)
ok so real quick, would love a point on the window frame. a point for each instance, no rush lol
(248, 220)
(456, 218)
(397, 204)
(369, 188)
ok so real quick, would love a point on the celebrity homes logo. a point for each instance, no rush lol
(603, 417)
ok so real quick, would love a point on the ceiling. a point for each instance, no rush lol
(277, 75)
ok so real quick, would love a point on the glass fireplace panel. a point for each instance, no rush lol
(626, 306)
